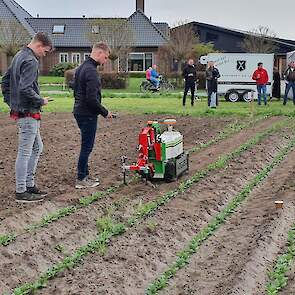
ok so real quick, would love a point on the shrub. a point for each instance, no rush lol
(177, 80)
(201, 75)
(137, 75)
(60, 68)
(114, 80)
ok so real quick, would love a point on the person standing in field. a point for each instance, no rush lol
(261, 77)
(276, 87)
(87, 108)
(190, 77)
(212, 75)
(22, 94)
(289, 76)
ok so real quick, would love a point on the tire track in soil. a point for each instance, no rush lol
(236, 260)
(56, 170)
(135, 258)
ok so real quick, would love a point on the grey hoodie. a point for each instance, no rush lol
(20, 83)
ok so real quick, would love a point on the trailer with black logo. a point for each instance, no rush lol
(236, 70)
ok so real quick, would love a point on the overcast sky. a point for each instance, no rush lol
(237, 14)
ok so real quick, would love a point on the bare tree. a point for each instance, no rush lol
(13, 36)
(259, 40)
(181, 43)
(119, 36)
(165, 59)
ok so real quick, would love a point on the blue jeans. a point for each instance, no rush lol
(261, 89)
(288, 87)
(155, 81)
(30, 147)
(88, 127)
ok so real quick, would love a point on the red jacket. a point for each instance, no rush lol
(260, 76)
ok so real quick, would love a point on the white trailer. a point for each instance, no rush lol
(236, 70)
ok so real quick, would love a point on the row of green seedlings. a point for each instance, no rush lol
(7, 239)
(113, 229)
(184, 256)
(278, 278)
(231, 129)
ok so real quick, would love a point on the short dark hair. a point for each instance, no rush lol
(260, 64)
(43, 38)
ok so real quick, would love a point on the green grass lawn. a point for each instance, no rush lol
(171, 105)
(44, 81)
(51, 80)
(133, 85)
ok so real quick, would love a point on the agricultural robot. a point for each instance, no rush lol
(161, 154)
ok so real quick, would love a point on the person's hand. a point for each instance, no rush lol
(45, 101)
(110, 115)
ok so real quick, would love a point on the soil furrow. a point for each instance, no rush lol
(200, 160)
(237, 258)
(56, 172)
(134, 259)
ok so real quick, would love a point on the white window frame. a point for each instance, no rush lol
(76, 54)
(63, 54)
(95, 29)
(143, 54)
(60, 29)
(86, 55)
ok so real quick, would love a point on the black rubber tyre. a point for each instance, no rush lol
(170, 171)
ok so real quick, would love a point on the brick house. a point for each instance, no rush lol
(70, 39)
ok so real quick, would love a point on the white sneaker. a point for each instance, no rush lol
(95, 179)
(86, 183)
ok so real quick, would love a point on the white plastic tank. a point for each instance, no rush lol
(173, 141)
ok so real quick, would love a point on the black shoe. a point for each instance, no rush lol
(26, 197)
(35, 191)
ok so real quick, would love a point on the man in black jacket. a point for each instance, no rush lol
(21, 92)
(212, 74)
(190, 77)
(289, 76)
(87, 107)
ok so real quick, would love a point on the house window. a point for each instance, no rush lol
(210, 37)
(58, 29)
(86, 55)
(148, 60)
(63, 57)
(76, 58)
(95, 29)
(138, 62)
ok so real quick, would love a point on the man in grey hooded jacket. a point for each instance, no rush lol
(21, 92)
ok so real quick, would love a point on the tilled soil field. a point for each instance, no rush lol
(233, 261)
(57, 166)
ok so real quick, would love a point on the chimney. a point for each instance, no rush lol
(140, 5)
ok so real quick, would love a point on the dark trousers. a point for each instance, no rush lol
(289, 85)
(192, 87)
(88, 127)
